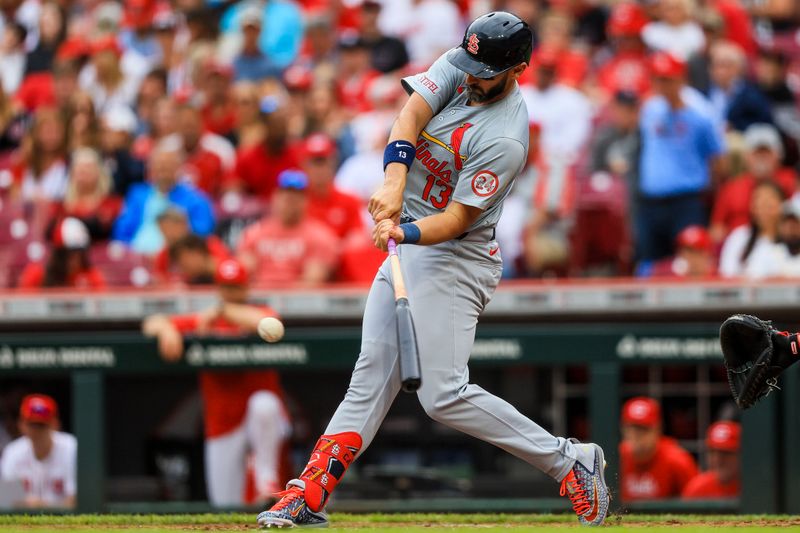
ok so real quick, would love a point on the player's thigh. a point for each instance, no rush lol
(447, 296)
(266, 414)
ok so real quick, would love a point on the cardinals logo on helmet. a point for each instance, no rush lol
(472, 44)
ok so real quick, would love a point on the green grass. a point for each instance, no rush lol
(399, 523)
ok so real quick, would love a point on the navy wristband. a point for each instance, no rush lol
(411, 233)
(399, 152)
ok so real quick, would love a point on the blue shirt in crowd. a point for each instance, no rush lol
(137, 222)
(677, 146)
(281, 31)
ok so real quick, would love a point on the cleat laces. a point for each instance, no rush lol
(287, 497)
(573, 488)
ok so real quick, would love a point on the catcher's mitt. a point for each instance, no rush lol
(755, 354)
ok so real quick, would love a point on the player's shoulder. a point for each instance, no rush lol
(65, 440)
(507, 123)
(16, 449)
(673, 451)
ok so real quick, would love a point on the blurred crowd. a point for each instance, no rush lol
(143, 142)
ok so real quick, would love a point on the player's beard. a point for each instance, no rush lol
(476, 95)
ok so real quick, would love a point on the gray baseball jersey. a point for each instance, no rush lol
(470, 154)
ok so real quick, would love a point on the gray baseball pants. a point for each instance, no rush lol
(448, 285)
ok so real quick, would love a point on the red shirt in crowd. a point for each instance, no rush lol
(732, 205)
(283, 252)
(258, 169)
(352, 92)
(226, 393)
(707, 486)
(219, 119)
(338, 210)
(99, 219)
(163, 268)
(663, 476)
(205, 169)
(33, 277)
(625, 72)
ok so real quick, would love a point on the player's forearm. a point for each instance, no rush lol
(154, 325)
(243, 315)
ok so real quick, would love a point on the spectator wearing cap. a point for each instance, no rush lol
(12, 56)
(737, 102)
(41, 174)
(89, 196)
(43, 459)
(68, 264)
(753, 250)
(652, 466)
(257, 168)
(694, 257)
(251, 64)
(722, 480)
(137, 37)
(287, 246)
(117, 126)
(354, 74)
(339, 211)
(388, 54)
(676, 32)
(244, 412)
(626, 70)
(763, 156)
(105, 80)
(281, 32)
(186, 258)
(679, 149)
(137, 225)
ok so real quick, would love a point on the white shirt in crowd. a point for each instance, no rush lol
(681, 41)
(561, 140)
(51, 185)
(765, 260)
(51, 480)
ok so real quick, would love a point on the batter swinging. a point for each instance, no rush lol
(454, 152)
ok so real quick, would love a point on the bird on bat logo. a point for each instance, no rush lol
(472, 44)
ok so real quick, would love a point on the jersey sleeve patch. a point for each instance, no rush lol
(485, 183)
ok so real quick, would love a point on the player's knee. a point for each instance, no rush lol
(264, 406)
(436, 406)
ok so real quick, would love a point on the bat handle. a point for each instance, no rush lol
(392, 246)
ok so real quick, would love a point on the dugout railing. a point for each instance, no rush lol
(771, 467)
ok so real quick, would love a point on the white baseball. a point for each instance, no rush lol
(270, 329)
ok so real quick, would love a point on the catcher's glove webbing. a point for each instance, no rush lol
(755, 354)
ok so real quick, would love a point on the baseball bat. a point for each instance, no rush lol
(410, 375)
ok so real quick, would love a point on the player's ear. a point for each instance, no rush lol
(517, 71)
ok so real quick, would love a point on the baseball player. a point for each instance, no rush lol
(246, 423)
(454, 152)
(43, 458)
